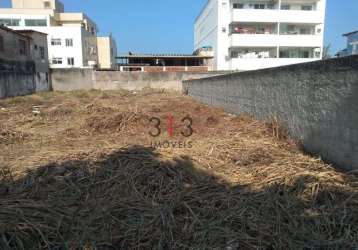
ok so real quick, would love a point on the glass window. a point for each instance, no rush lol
(69, 42)
(259, 6)
(55, 42)
(71, 61)
(285, 7)
(238, 6)
(35, 22)
(9, 22)
(234, 54)
(57, 60)
(47, 5)
(306, 7)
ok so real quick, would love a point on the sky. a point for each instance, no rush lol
(163, 26)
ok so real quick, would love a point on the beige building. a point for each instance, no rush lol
(36, 4)
(107, 52)
(72, 37)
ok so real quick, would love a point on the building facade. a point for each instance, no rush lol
(39, 54)
(72, 37)
(255, 34)
(24, 62)
(107, 52)
(352, 45)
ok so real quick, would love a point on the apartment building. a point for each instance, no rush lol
(256, 34)
(72, 37)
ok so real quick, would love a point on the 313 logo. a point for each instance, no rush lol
(158, 128)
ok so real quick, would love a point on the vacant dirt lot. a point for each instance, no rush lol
(78, 171)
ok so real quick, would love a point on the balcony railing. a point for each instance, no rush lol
(274, 40)
(276, 15)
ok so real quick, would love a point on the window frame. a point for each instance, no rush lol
(36, 22)
(56, 41)
(57, 61)
(306, 7)
(70, 61)
(69, 42)
(12, 22)
(238, 6)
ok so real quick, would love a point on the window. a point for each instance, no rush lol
(259, 6)
(305, 31)
(42, 52)
(22, 47)
(56, 42)
(285, 7)
(57, 60)
(35, 22)
(47, 5)
(9, 22)
(93, 31)
(306, 7)
(234, 54)
(238, 6)
(1, 43)
(35, 47)
(71, 61)
(47, 77)
(305, 54)
(69, 42)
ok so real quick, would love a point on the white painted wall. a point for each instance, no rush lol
(212, 29)
(206, 28)
(82, 41)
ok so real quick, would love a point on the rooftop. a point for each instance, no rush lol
(350, 33)
(168, 55)
(13, 31)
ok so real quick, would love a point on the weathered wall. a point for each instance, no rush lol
(317, 102)
(16, 78)
(107, 80)
(74, 79)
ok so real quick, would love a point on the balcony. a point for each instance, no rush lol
(268, 40)
(275, 15)
(250, 58)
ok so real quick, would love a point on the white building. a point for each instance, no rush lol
(255, 34)
(72, 37)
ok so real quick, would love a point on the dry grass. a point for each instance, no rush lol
(87, 178)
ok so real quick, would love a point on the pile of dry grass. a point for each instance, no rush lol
(242, 185)
(135, 198)
(10, 136)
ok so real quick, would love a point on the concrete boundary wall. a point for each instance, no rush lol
(317, 102)
(17, 78)
(84, 79)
